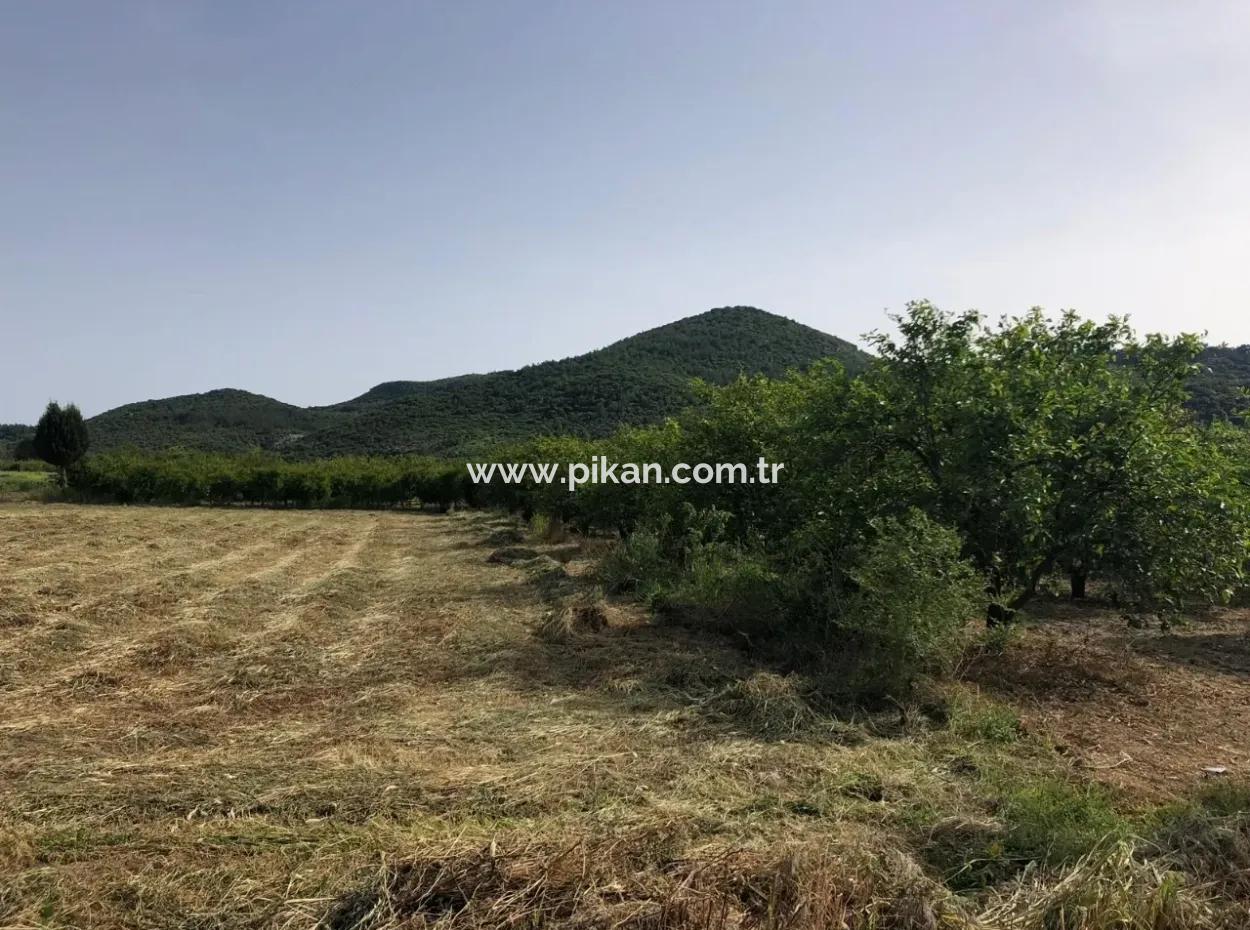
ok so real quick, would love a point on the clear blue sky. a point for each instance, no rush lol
(306, 198)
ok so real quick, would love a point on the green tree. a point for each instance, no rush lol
(1056, 446)
(61, 437)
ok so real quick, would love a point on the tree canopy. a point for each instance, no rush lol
(61, 436)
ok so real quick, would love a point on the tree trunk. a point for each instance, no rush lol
(1077, 578)
(999, 614)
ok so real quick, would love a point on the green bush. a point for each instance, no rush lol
(731, 587)
(913, 597)
(637, 564)
(183, 477)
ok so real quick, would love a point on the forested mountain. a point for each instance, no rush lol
(637, 380)
(10, 435)
(1219, 387)
(225, 420)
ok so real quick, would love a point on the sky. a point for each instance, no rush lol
(306, 198)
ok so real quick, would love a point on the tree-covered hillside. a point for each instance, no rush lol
(1219, 388)
(10, 435)
(225, 420)
(641, 379)
(637, 380)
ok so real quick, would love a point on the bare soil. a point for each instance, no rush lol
(1147, 710)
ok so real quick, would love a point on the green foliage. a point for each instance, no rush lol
(15, 436)
(1218, 387)
(24, 480)
(1176, 532)
(28, 465)
(24, 449)
(11, 432)
(638, 564)
(216, 421)
(1058, 822)
(728, 586)
(966, 459)
(912, 598)
(1058, 446)
(61, 436)
(185, 477)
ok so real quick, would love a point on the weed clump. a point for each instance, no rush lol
(1110, 888)
(582, 616)
(505, 536)
(770, 707)
(975, 719)
(1057, 822)
(1210, 836)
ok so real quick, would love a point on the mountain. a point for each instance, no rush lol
(225, 420)
(1219, 387)
(640, 379)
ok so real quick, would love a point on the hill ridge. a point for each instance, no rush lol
(636, 379)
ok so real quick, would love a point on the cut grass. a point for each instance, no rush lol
(237, 718)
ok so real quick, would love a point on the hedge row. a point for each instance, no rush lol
(183, 477)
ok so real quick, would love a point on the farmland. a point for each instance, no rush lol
(248, 718)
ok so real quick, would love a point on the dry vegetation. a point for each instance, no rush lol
(245, 718)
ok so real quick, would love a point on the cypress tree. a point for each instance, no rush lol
(61, 436)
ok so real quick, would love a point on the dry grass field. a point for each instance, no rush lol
(243, 718)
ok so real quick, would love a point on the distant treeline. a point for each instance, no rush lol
(186, 477)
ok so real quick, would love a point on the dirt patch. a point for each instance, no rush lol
(1142, 709)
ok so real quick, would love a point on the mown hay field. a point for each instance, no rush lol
(253, 718)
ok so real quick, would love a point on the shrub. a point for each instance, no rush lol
(1112, 888)
(913, 597)
(730, 586)
(637, 564)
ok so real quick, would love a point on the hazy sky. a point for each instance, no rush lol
(306, 198)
